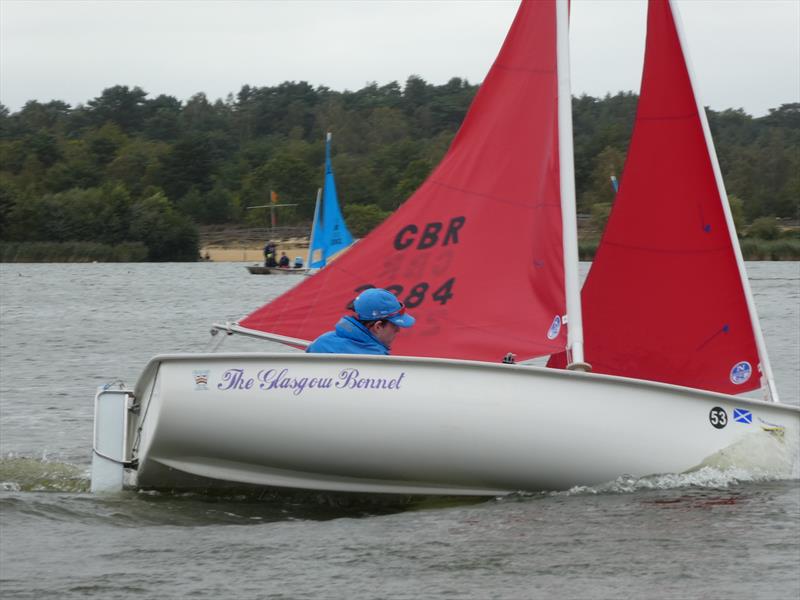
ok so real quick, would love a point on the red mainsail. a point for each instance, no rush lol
(663, 300)
(476, 252)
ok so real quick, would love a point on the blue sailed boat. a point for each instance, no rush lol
(329, 233)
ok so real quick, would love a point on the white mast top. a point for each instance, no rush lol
(771, 389)
(567, 180)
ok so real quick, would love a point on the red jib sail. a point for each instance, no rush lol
(476, 252)
(663, 300)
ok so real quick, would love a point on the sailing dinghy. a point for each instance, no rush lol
(329, 233)
(672, 335)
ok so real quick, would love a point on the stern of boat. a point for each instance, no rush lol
(117, 431)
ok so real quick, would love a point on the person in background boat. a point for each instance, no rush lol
(298, 262)
(269, 255)
(284, 261)
(378, 319)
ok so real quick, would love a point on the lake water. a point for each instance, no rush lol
(65, 329)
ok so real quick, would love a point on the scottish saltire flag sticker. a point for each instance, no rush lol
(741, 415)
(555, 328)
(741, 372)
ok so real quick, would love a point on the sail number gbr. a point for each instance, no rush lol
(417, 294)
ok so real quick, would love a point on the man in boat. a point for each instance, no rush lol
(270, 250)
(378, 319)
(284, 261)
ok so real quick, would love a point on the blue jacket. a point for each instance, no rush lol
(349, 337)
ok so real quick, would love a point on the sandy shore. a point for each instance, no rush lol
(253, 254)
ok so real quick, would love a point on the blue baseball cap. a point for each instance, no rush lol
(376, 304)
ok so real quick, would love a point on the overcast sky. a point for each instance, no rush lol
(745, 53)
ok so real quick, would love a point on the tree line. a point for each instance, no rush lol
(143, 173)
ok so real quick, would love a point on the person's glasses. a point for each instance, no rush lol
(399, 311)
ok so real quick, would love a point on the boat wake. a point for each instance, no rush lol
(753, 459)
(743, 462)
(20, 474)
(703, 478)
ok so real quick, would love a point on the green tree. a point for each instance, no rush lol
(608, 162)
(764, 228)
(120, 105)
(137, 165)
(386, 125)
(78, 169)
(355, 181)
(288, 175)
(363, 218)
(215, 206)
(737, 212)
(188, 164)
(162, 120)
(38, 117)
(413, 176)
(45, 147)
(168, 235)
(8, 200)
(104, 143)
(600, 212)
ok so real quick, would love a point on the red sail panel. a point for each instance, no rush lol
(663, 300)
(476, 252)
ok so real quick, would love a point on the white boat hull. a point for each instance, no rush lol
(432, 426)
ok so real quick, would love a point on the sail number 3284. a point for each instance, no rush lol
(415, 295)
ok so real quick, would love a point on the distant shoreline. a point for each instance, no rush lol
(250, 253)
(247, 251)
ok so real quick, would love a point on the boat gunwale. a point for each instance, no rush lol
(157, 360)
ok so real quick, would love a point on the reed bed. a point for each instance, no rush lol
(71, 252)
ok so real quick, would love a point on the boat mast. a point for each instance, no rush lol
(567, 180)
(313, 229)
(770, 387)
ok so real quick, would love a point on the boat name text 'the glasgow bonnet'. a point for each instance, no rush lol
(271, 379)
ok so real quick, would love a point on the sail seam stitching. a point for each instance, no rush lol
(497, 198)
(526, 70)
(665, 250)
(668, 118)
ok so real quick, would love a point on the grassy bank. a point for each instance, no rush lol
(782, 249)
